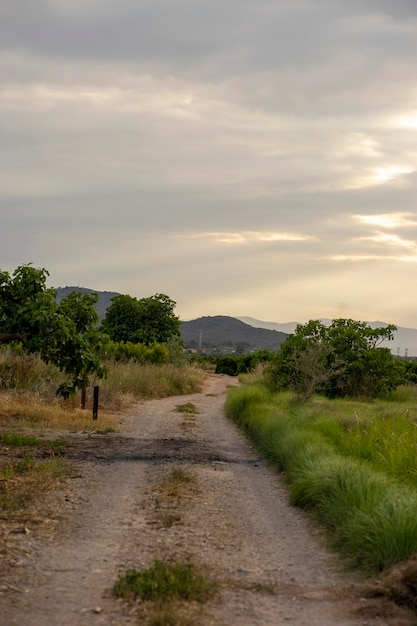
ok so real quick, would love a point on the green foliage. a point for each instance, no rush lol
(343, 359)
(410, 371)
(164, 581)
(126, 351)
(344, 464)
(233, 365)
(148, 320)
(63, 334)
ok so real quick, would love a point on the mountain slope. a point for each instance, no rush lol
(228, 334)
(104, 297)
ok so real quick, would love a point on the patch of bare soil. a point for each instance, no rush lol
(230, 518)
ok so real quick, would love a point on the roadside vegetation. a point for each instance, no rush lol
(51, 355)
(28, 391)
(337, 414)
(351, 462)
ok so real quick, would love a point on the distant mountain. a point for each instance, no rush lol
(404, 343)
(221, 333)
(104, 297)
(286, 327)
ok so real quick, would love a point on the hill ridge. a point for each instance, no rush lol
(223, 333)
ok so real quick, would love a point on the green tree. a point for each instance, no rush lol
(122, 319)
(368, 368)
(63, 334)
(343, 359)
(148, 320)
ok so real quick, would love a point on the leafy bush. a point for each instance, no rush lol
(233, 365)
(341, 360)
(125, 351)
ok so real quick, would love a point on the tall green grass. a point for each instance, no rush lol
(353, 465)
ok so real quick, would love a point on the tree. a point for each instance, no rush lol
(368, 368)
(64, 334)
(148, 320)
(122, 319)
(343, 359)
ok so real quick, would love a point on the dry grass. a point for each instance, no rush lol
(178, 483)
(32, 476)
(28, 386)
(28, 411)
(24, 482)
(141, 382)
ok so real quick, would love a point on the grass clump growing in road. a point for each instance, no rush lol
(352, 463)
(163, 582)
(187, 407)
(189, 410)
(178, 482)
(170, 493)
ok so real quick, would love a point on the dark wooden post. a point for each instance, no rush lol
(95, 403)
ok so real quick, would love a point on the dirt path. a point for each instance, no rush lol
(236, 524)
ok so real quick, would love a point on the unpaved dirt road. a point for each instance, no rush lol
(236, 524)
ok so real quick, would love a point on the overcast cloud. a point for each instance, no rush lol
(245, 157)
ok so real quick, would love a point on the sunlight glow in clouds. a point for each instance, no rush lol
(246, 237)
(387, 220)
(393, 240)
(355, 258)
(410, 122)
(386, 174)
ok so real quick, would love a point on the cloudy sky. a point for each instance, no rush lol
(245, 157)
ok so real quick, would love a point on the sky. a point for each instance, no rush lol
(244, 157)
